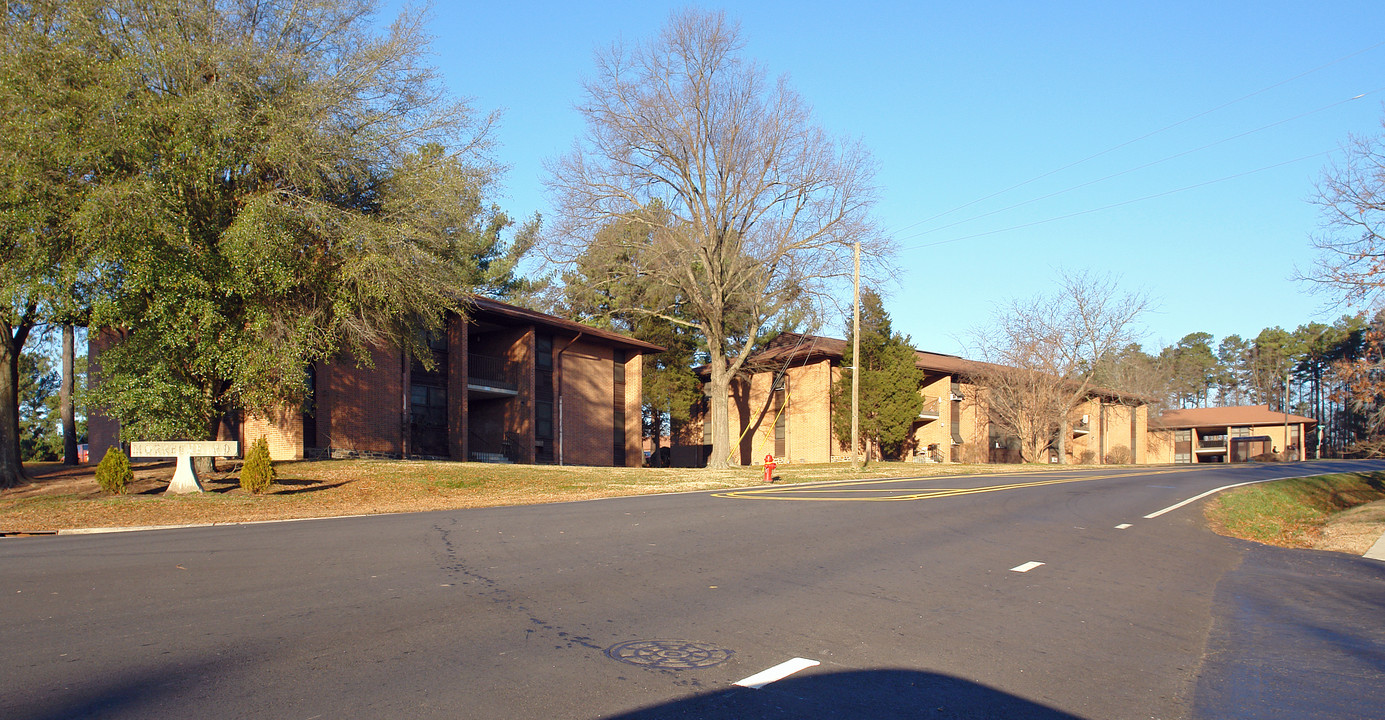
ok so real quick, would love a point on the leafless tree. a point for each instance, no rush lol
(1043, 356)
(762, 206)
(1351, 198)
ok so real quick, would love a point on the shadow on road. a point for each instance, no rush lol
(1297, 635)
(874, 694)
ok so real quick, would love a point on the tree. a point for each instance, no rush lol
(1131, 370)
(1233, 354)
(293, 186)
(38, 391)
(1042, 356)
(890, 378)
(762, 205)
(1192, 369)
(59, 89)
(1351, 200)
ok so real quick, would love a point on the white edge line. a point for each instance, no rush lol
(1213, 491)
(778, 672)
(1026, 567)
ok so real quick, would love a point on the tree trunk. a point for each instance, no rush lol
(11, 465)
(69, 414)
(720, 405)
(1062, 444)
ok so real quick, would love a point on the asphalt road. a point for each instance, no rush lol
(905, 593)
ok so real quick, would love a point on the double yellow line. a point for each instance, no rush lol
(805, 494)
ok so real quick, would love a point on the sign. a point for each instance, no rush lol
(184, 479)
(185, 448)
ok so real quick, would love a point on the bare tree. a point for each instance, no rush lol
(762, 206)
(1351, 198)
(1044, 354)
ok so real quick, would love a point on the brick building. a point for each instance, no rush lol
(781, 406)
(509, 385)
(1239, 433)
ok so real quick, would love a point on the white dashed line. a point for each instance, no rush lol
(1026, 567)
(1123, 526)
(778, 672)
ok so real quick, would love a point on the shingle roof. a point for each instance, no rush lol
(1227, 416)
(482, 307)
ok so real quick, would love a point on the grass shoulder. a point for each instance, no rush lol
(69, 497)
(1342, 512)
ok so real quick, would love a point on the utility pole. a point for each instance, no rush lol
(856, 363)
(1286, 417)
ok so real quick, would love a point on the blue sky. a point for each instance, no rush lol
(1210, 123)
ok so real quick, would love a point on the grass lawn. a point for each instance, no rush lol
(68, 497)
(1340, 512)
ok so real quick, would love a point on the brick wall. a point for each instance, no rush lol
(361, 409)
(103, 432)
(587, 393)
(282, 430)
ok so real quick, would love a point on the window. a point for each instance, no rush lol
(428, 401)
(618, 408)
(1240, 432)
(781, 417)
(543, 399)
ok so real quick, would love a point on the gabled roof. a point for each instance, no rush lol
(482, 307)
(802, 347)
(1236, 415)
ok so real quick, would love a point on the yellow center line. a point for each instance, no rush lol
(856, 487)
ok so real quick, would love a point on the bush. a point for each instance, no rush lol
(113, 473)
(1118, 455)
(257, 474)
(1087, 457)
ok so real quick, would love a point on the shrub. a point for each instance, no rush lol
(1118, 455)
(1087, 457)
(257, 474)
(113, 473)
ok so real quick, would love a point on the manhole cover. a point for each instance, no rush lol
(669, 654)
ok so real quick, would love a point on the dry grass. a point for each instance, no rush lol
(1305, 512)
(65, 498)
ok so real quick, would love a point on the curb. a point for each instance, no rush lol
(1377, 551)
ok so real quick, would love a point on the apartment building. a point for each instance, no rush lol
(1230, 434)
(781, 407)
(507, 385)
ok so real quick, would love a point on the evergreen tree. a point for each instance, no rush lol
(889, 386)
(293, 186)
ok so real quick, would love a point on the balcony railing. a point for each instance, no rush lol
(930, 408)
(490, 371)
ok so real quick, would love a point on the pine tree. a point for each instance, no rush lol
(890, 401)
(258, 472)
(113, 473)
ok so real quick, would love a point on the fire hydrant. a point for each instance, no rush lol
(769, 468)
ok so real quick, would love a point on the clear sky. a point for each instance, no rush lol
(1172, 144)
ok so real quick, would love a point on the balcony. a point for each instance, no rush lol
(489, 377)
(1082, 427)
(930, 409)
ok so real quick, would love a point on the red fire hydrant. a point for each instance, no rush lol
(769, 468)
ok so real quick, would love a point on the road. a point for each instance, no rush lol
(907, 594)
